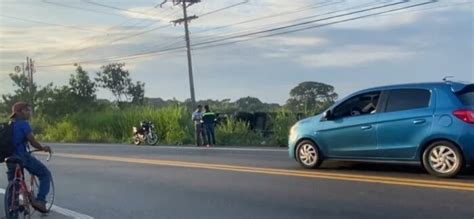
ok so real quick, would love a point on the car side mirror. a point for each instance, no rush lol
(327, 115)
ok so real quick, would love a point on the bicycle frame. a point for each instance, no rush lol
(23, 204)
(23, 190)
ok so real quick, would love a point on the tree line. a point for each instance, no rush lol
(80, 95)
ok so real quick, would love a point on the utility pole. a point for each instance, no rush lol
(185, 4)
(30, 68)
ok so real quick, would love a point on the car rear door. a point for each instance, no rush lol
(406, 119)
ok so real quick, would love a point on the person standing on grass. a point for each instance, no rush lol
(198, 127)
(22, 135)
(209, 120)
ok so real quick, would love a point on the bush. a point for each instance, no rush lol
(63, 131)
(237, 133)
(173, 125)
(281, 127)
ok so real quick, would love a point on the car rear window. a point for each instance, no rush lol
(407, 99)
(466, 95)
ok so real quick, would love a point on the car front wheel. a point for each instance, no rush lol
(443, 159)
(308, 154)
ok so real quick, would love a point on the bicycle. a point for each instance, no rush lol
(18, 196)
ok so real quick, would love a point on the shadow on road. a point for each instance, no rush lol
(386, 169)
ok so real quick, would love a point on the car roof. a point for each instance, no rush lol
(454, 86)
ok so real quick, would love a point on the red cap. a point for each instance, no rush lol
(18, 107)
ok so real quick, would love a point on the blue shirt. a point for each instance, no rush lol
(21, 130)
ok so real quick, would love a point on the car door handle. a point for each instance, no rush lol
(366, 127)
(419, 121)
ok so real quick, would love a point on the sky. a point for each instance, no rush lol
(418, 44)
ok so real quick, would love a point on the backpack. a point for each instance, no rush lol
(6, 141)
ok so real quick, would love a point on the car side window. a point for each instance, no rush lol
(407, 99)
(363, 104)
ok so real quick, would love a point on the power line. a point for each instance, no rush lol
(224, 8)
(165, 26)
(301, 9)
(201, 43)
(307, 7)
(113, 7)
(260, 32)
(431, 8)
(154, 29)
(108, 32)
(321, 25)
(79, 8)
(303, 23)
(205, 45)
(285, 22)
(51, 24)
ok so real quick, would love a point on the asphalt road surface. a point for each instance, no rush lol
(123, 181)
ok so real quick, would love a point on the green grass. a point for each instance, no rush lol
(237, 133)
(173, 125)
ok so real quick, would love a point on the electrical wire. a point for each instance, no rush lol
(50, 24)
(209, 44)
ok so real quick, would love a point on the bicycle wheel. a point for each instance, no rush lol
(35, 187)
(12, 205)
(50, 197)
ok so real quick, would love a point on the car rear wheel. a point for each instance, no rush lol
(308, 155)
(443, 159)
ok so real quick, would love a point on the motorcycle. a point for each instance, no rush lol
(145, 133)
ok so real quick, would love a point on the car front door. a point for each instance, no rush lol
(350, 132)
(406, 119)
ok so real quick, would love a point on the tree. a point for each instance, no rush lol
(250, 104)
(311, 97)
(137, 92)
(56, 102)
(49, 101)
(83, 89)
(21, 93)
(117, 79)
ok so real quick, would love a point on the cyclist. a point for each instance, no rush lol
(22, 134)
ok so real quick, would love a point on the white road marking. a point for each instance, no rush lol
(63, 211)
(180, 147)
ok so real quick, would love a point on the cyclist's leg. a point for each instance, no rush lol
(35, 167)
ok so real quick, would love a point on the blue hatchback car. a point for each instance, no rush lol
(431, 124)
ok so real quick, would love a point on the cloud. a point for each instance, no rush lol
(153, 14)
(353, 56)
(381, 22)
(300, 41)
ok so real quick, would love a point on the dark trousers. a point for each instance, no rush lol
(199, 134)
(210, 134)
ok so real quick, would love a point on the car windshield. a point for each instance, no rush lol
(466, 95)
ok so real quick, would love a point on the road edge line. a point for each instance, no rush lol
(62, 211)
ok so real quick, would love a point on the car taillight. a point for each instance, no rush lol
(465, 115)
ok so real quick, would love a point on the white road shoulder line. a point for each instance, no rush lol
(182, 147)
(223, 149)
(63, 211)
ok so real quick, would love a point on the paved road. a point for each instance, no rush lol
(121, 181)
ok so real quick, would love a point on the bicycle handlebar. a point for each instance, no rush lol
(47, 159)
